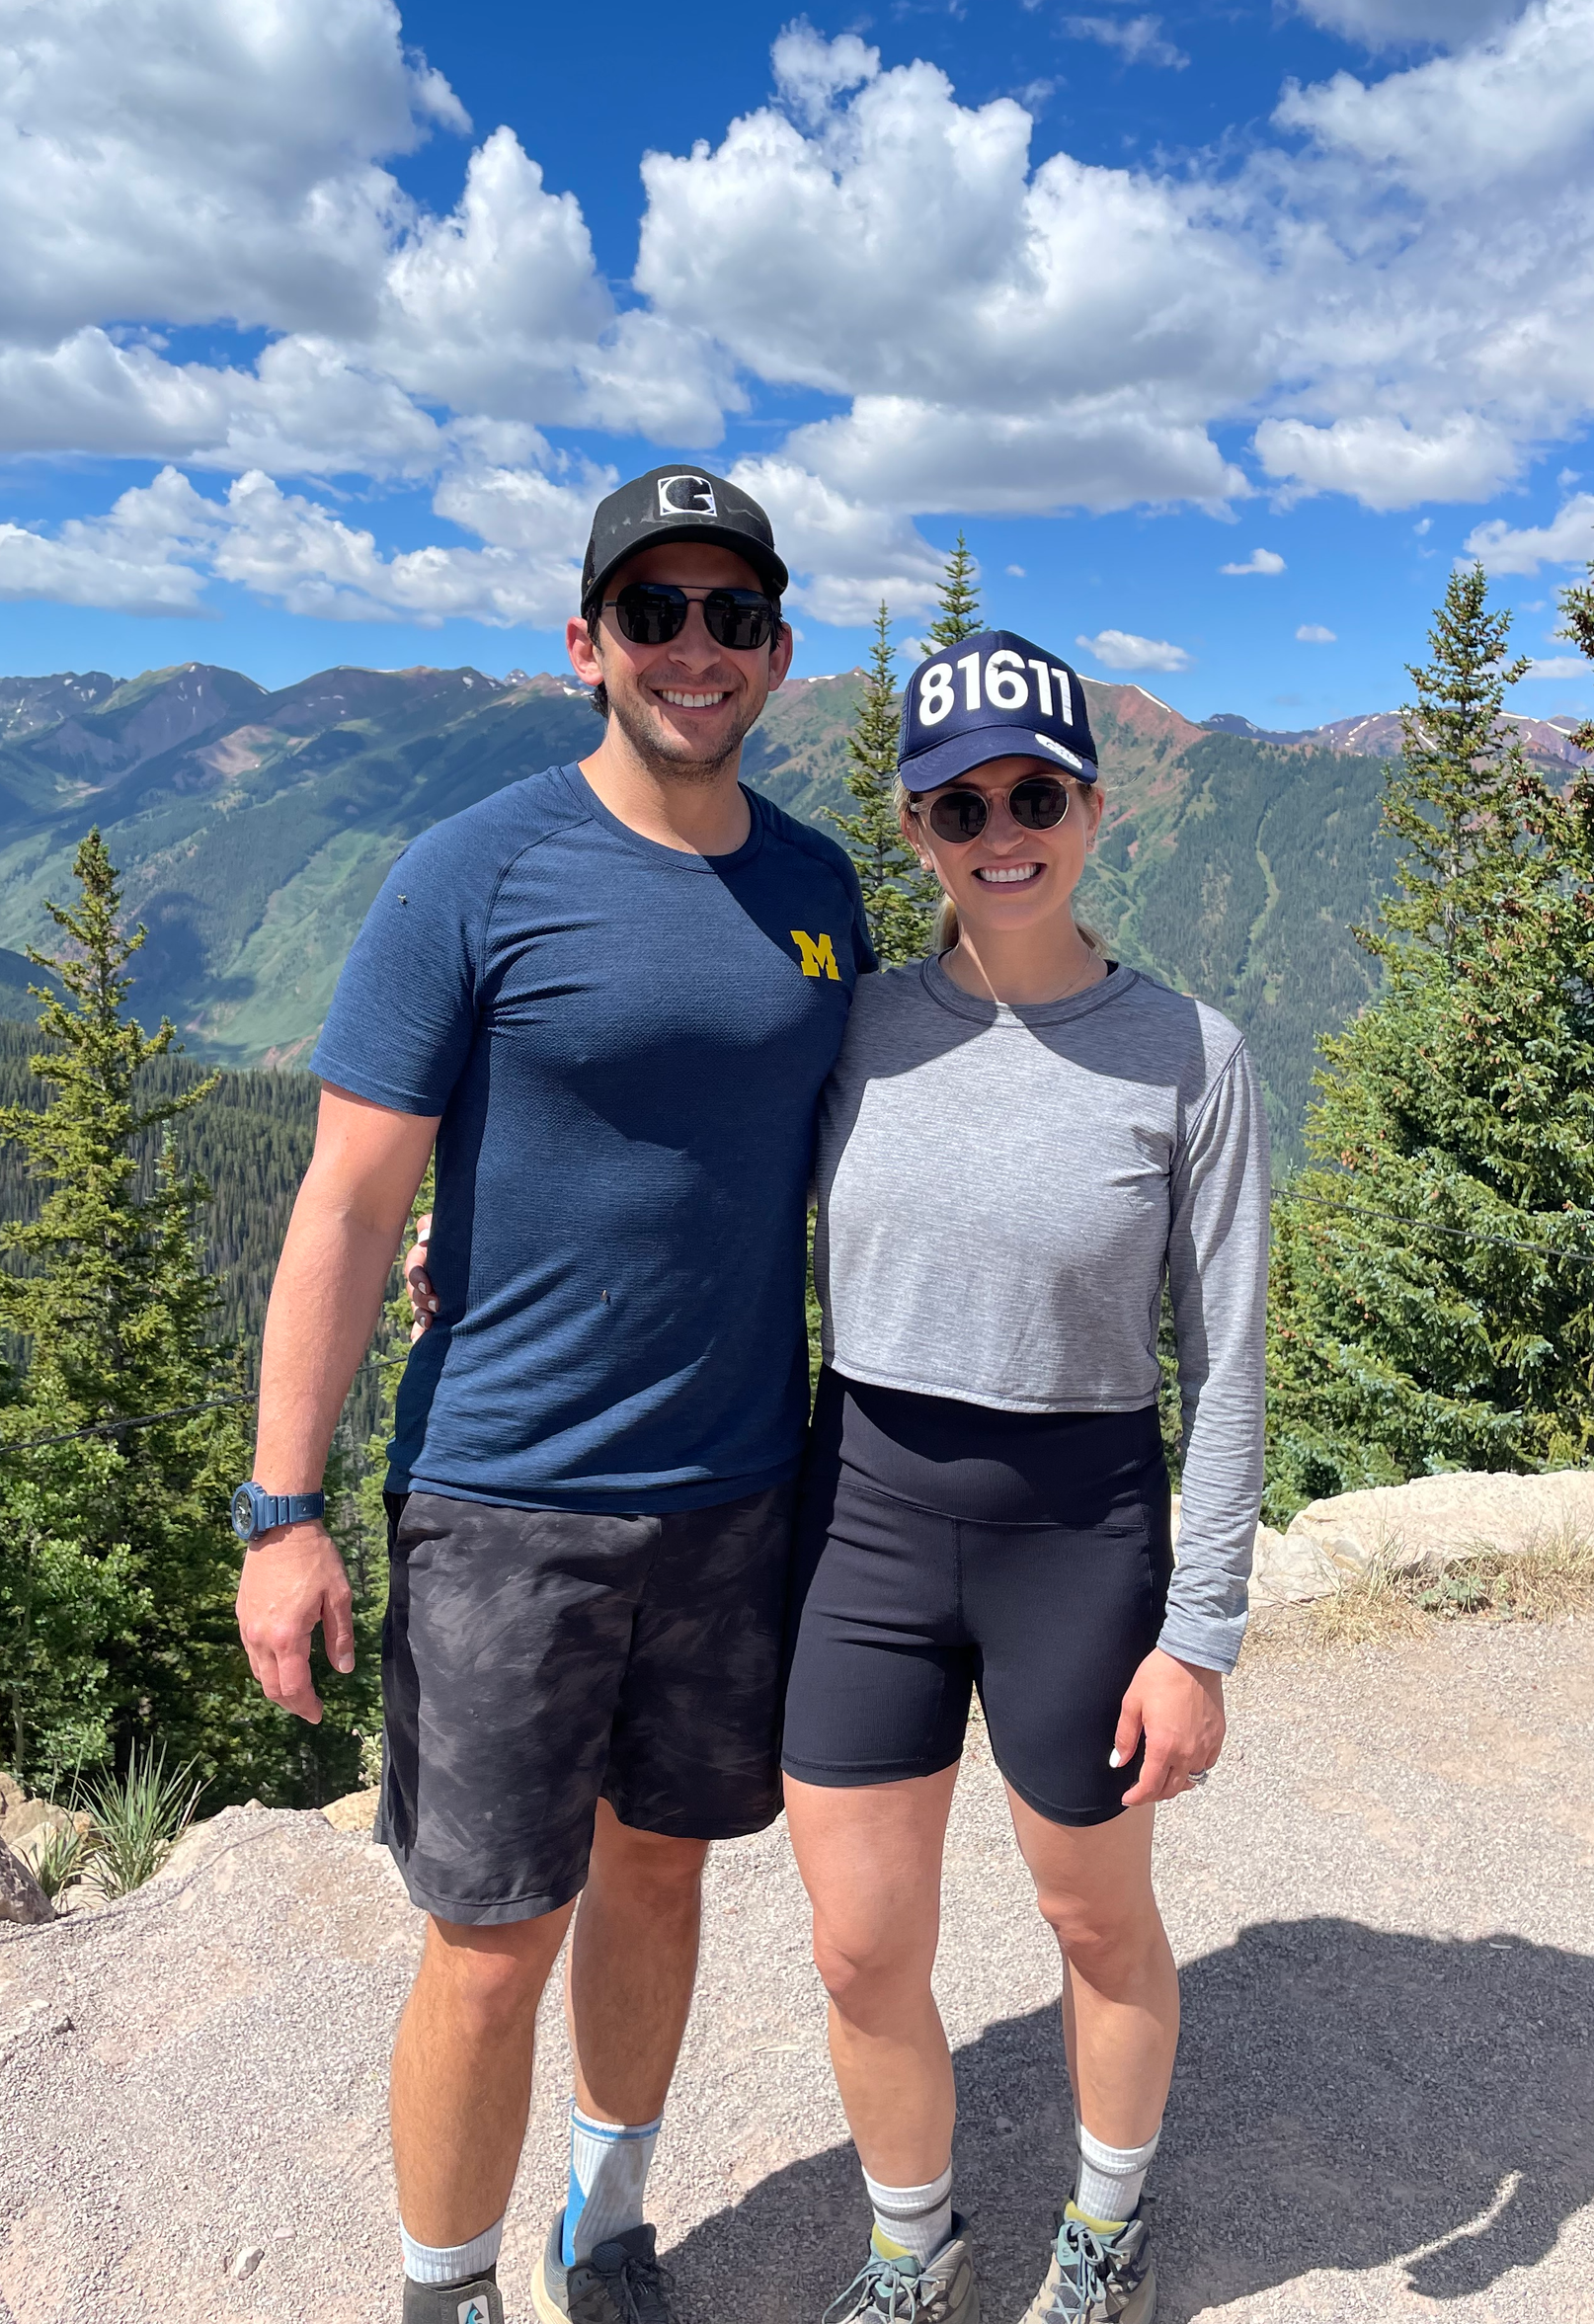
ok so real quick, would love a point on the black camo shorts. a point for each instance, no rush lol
(535, 1661)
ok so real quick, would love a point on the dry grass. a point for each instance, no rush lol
(1390, 1601)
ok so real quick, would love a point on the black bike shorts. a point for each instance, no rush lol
(535, 1661)
(943, 1547)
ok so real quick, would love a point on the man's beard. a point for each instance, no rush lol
(672, 764)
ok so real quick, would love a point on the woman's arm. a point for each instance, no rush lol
(1218, 1245)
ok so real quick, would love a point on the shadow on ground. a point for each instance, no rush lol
(1345, 2098)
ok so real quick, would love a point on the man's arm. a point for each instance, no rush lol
(341, 1242)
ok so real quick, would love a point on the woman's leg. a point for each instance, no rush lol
(1121, 1989)
(870, 1858)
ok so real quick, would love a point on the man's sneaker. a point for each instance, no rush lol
(942, 2290)
(622, 2283)
(1097, 2279)
(477, 2303)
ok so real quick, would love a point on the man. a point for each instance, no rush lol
(610, 994)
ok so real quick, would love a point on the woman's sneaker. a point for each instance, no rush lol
(942, 2290)
(622, 2283)
(1097, 2279)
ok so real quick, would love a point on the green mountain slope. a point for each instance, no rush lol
(254, 828)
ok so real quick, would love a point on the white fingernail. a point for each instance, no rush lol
(1116, 1759)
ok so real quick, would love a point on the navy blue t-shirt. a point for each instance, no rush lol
(625, 1045)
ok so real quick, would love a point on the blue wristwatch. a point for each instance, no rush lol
(255, 1511)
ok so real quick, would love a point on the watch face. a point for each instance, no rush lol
(243, 1513)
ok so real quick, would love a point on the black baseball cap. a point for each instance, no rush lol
(679, 504)
(992, 696)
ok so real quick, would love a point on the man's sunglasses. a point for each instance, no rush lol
(1039, 803)
(652, 612)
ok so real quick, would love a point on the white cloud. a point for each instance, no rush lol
(1562, 668)
(160, 546)
(1383, 24)
(143, 557)
(1006, 338)
(1259, 561)
(1394, 293)
(1137, 38)
(1121, 649)
(1568, 539)
(1387, 464)
(220, 162)
(1312, 633)
(809, 71)
(1513, 107)
(1017, 571)
(848, 555)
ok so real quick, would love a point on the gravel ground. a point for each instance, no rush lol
(1385, 2105)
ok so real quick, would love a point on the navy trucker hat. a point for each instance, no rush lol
(992, 696)
(679, 504)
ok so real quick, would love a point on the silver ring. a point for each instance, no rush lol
(1198, 1776)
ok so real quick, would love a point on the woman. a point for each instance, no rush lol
(1020, 1143)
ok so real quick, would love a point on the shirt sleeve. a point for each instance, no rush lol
(403, 1018)
(1218, 1245)
(863, 952)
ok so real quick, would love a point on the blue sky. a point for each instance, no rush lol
(324, 336)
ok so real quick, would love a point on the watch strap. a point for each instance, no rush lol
(293, 1508)
(269, 1510)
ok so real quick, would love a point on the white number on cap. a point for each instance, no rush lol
(969, 663)
(1006, 687)
(936, 695)
(1065, 695)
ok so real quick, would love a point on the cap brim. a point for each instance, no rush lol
(765, 564)
(961, 754)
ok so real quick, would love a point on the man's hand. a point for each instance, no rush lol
(293, 1580)
(1180, 1709)
(417, 1282)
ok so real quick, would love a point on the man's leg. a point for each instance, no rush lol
(628, 1984)
(461, 2082)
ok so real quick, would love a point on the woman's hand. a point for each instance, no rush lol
(417, 1282)
(1180, 1709)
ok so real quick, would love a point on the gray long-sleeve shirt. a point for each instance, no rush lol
(1001, 1191)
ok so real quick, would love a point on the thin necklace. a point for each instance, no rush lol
(1051, 999)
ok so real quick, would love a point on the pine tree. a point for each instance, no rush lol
(1577, 609)
(959, 616)
(1432, 1303)
(899, 895)
(117, 1565)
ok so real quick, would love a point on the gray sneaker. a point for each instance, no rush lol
(942, 2290)
(622, 2283)
(477, 2303)
(1096, 2279)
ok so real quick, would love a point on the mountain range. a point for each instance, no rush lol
(252, 828)
(1546, 742)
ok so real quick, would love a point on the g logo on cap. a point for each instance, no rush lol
(686, 496)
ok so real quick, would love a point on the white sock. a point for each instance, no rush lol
(913, 2220)
(608, 2170)
(1112, 2178)
(451, 2263)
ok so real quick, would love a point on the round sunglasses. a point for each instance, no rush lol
(652, 612)
(1038, 803)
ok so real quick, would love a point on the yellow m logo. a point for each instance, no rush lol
(819, 955)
